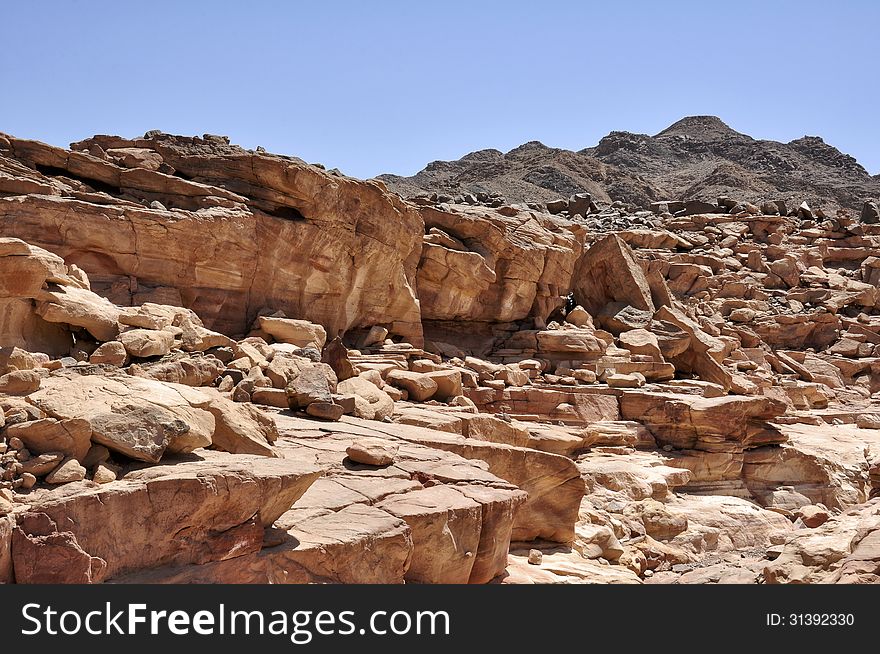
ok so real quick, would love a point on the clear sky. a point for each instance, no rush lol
(387, 86)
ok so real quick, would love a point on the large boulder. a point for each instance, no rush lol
(139, 418)
(301, 333)
(241, 428)
(608, 271)
(419, 385)
(144, 343)
(71, 437)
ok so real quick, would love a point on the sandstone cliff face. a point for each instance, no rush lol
(218, 229)
(483, 265)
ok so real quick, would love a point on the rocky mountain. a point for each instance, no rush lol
(224, 365)
(698, 157)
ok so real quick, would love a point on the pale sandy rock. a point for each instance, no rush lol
(419, 386)
(371, 452)
(817, 464)
(579, 341)
(579, 317)
(276, 202)
(104, 474)
(609, 272)
(564, 566)
(691, 422)
(67, 471)
(641, 341)
(276, 397)
(638, 476)
(594, 541)
(658, 522)
(229, 500)
(512, 376)
(144, 343)
(241, 428)
(25, 269)
(14, 358)
(448, 384)
(447, 520)
(507, 267)
(720, 523)
(80, 307)
(20, 382)
(139, 418)
(301, 333)
(284, 368)
(358, 544)
(190, 371)
(71, 437)
(148, 316)
(111, 353)
(868, 421)
(500, 507)
(371, 403)
(312, 384)
(843, 550)
(376, 335)
(623, 380)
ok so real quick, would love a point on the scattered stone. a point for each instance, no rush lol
(20, 382)
(372, 452)
(103, 474)
(68, 471)
(325, 410)
(145, 343)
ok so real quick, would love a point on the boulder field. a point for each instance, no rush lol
(227, 366)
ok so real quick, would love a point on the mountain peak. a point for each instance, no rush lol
(699, 127)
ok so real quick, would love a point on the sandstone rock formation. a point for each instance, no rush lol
(261, 371)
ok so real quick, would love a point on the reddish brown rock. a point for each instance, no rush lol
(609, 272)
(76, 535)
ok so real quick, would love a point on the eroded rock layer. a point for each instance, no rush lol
(260, 371)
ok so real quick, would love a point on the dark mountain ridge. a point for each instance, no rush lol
(697, 157)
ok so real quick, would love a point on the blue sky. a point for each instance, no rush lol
(372, 87)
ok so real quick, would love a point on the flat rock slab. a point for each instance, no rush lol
(446, 528)
(194, 510)
(711, 424)
(358, 544)
(461, 516)
(553, 482)
(563, 566)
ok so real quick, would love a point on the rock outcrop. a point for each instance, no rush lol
(225, 366)
(224, 231)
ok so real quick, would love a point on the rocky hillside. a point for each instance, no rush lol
(696, 158)
(261, 371)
